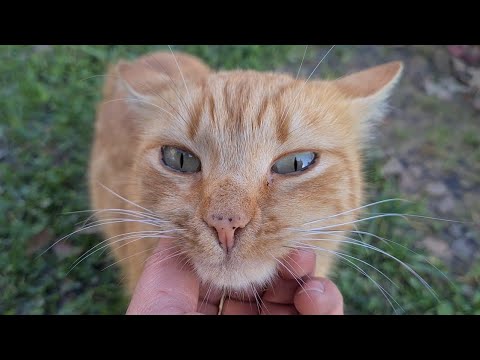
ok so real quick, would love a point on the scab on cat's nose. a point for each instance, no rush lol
(226, 226)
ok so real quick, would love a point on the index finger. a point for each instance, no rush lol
(297, 264)
(165, 286)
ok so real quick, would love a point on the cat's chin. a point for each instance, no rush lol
(237, 277)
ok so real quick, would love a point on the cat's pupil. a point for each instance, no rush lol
(181, 160)
(295, 163)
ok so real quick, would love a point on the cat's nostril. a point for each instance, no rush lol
(226, 226)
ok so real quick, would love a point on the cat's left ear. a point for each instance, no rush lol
(369, 89)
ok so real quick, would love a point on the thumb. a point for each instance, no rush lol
(165, 286)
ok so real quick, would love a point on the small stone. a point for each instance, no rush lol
(418, 66)
(437, 247)
(408, 183)
(446, 205)
(460, 70)
(466, 183)
(475, 80)
(393, 167)
(434, 89)
(437, 189)
(464, 249)
(476, 102)
(456, 230)
(441, 60)
(416, 171)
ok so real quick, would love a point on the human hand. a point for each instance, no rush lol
(167, 287)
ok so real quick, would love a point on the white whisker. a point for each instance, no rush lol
(156, 93)
(180, 70)
(185, 262)
(93, 226)
(174, 88)
(303, 58)
(138, 214)
(388, 242)
(356, 209)
(430, 218)
(119, 220)
(356, 221)
(171, 256)
(406, 266)
(296, 263)
(291, 273)
(262, 304)
(77, 262)
(205, 298)
(313, 247)
(123, 237)
(126, 200)
(113, 221)
(304, 84)
(323, 58)
(141, 101)
(259, 307)
(384, 292)
(130, 256)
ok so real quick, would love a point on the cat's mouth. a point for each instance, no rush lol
(250, 261)
(234, 275)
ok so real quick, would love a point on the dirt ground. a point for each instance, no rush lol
(430, 140)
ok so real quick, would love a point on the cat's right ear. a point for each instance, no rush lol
(138, 85)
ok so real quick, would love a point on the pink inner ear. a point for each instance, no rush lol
(369, 81)
(142, 80)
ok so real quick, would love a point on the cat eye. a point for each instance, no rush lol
(294, 163)
(180, 160)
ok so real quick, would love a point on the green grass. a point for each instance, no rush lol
(47, 106)
(452, 295)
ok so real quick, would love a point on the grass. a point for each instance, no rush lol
(47, 105)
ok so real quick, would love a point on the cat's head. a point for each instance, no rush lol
(239, 160)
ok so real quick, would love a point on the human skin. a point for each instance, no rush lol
(169, 287)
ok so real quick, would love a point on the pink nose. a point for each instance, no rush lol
(226, 226)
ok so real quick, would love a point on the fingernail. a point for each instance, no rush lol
(315, 285)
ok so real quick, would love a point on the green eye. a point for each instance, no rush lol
(180, 160)
(294, 163)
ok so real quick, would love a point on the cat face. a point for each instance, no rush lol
(241, 161)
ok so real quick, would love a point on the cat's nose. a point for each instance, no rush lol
(226, 226)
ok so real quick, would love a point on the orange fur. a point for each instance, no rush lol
(238, 123)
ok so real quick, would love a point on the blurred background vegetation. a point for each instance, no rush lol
(427, 151)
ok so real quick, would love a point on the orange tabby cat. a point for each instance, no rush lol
(233, 164)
